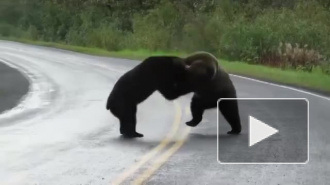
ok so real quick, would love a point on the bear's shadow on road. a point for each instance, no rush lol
(199, 136)
(135, 142)
(105, 137)
(201, 142)
(138, 142)
(193, 138)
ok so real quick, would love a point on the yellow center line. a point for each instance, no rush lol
(161, 160)
(153, 152)
(164, 157)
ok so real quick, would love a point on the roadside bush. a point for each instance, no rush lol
(257, 40)
(75, 37)
(299, 58)
(249, 42)
(32, 33)
(105, 37)
(7, 30)
(149, 36)
(325, 67)
(160, 28)
(194, 35)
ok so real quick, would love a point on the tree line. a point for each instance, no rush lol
(288, 34)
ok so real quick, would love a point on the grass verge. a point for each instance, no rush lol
(315, 80)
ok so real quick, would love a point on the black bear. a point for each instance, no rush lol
(160, 73)
(209, 82)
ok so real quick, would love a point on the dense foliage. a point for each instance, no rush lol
(288, 34)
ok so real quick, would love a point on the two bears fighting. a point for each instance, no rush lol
(173, 77)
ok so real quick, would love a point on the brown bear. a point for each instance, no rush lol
(209, 82)
(160, 73)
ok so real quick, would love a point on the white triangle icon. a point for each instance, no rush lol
(259, 131)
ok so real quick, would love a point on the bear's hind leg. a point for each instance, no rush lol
(229, 110)
(128, 123)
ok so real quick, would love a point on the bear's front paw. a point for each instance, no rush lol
(234, 132)
(132, 135)
(136, 134)
(191, 123)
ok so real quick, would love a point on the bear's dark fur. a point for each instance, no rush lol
(209, 82)
(154, 73)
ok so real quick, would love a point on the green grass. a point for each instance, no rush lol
(314, 80)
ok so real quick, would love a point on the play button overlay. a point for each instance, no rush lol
(259, 131)
(274, 131)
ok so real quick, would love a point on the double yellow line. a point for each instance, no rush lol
(158, 162)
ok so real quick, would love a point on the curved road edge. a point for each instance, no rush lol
(14, 86)
(282, 84)
(289, 87)
(38, 92)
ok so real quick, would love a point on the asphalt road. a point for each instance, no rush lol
(62, 134)
(13, 86)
